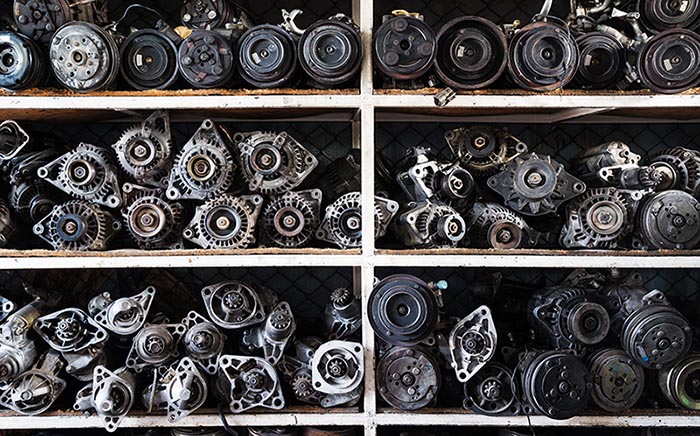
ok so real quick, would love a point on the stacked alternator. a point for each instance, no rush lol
(600, 45)
(216, 191)
(592, 338)
(494, 193)
(242, 350)
(216, 46)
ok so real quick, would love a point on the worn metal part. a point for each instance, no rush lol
(39, 19)
(668, 62)
(87, 173)
(155, 345)
(490, 392)
(404, 309)
(234, 305)
(149, 60)
(246, 382)
(680, 170)
(343, 175)
(659, 15)
(602, 61)
(601, 218)
(272, 337)
(295, 368)
(34, 391)
(472, 343)
(429, 224)
(330, 51)
(554, 383)
(144, 151)
(180, 389)
(267, 56)
(84, 57)
(17, 350)
(124, 316)
(7, 307)
(669, 220)
(543, 55)
(7, 224)
(342, 316)
(111, 395)
(651, 331)
(471, 53)
(428, 179)
(408, 378)
(273, 163)
(605, 164)
(491, 225)
(78, 226)
(13, 139)
(618, 382)
(213, 14)
(290, 219)
(206, 60)
(31, 200)
(680, 383)
(152, 220)
(536, 185)
(483, 151)
(405, 47)
(329, 431)
(338, 367)
(225, 222)
(203, 342)
(204, 167)
(270, 431)
(22, 63)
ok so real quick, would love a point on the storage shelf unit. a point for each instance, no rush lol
(363, 107)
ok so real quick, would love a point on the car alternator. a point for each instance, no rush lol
(408, 378)
(614, 164)
(13, 139)
(569, 318)
(680, 383)
(428, 179)
(490, 392)
(342, 316)
(124, 316)
(34, 391)
(536, 185)
(79, 339)
(491, 225)
(483, 151)
(599, 219)
(7, 225)
(203, 342)
(39, 19)
(290, 219)
(338, 368)
(149, 60)
(471, 53)
(155, 345)
(668, 62)
(554, 383)
(111, 396)
(342, 224)
(84, 57)
(246, 382)
(618, 382)
(543, 56)
(234, 305)
(273, 336)
(204, 167)
(180, 389)
(295, 368)
(212, 14)
(205, 59)
(429, 224)
(651, 331)
(404, 309)
(330, 51)
(405, 47)
(267, 56)
(680, 170)
(273, 163)
(86, 173)
(472, 343)
(669, 220)
(78, 226)
(659, 15)
(17, 350)
(31, 197)
(22, 63)
(602, 61)
(225, 222)
(144, 150)
(152, 220)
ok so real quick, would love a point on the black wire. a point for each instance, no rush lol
(221, 409)
(136, 6)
